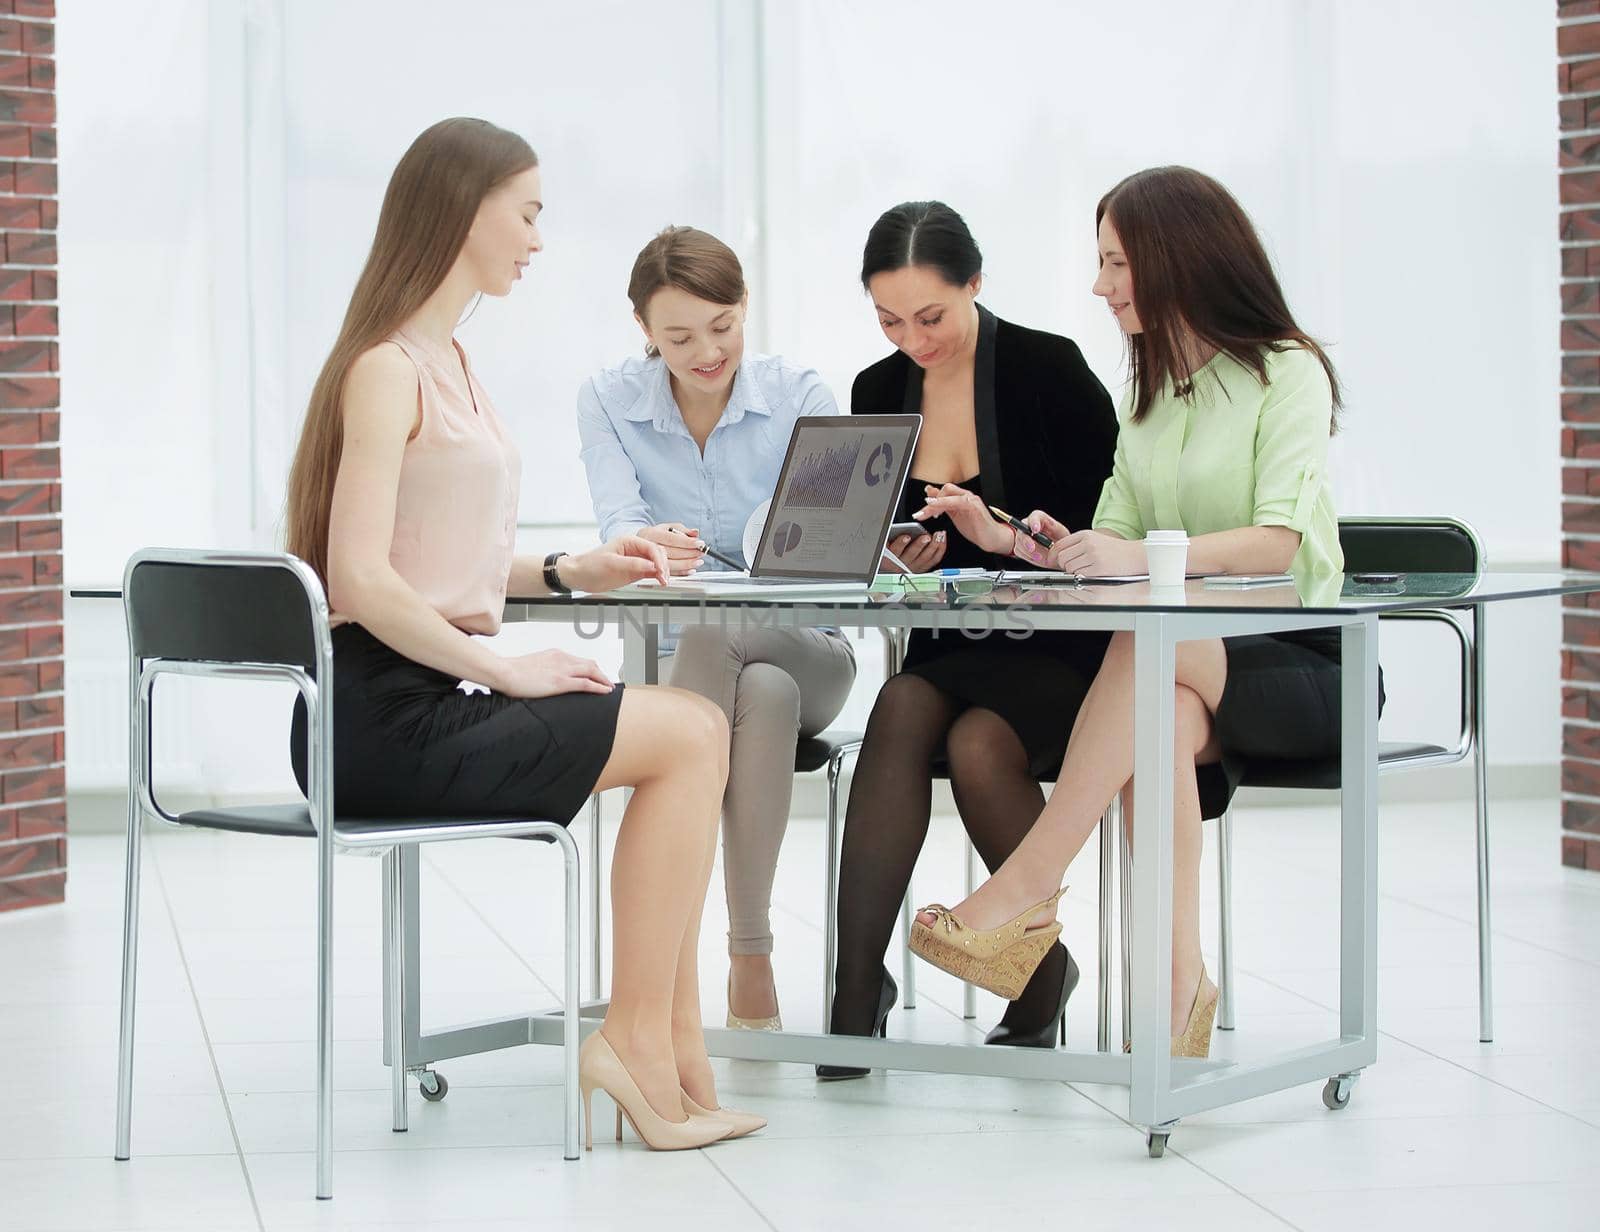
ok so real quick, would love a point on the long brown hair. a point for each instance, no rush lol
(1198, 269)
(428, 208)
(691, 260)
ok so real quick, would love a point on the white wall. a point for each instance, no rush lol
(1398, 157)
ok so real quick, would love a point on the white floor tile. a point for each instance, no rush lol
(1443, 1131)
(94, 1025)
(86, 1127)
(70, 1072)
(1382, 1153)
(358, 1066)
(468, 1117)
(612, 1186)
(1212, 1212)
(1465, 1208)
(1567, 1082)
(1519, 1030)
(890, 1104)
(949, 1179)
(206, 1193)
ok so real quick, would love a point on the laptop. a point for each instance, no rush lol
(829, 516)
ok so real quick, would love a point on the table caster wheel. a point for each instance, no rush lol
(1336, 1092)
(433, 1085)
(1156, 1143)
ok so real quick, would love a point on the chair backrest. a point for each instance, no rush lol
(225, 607)
(1409, 545)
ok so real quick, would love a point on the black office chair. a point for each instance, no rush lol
(1406, 546)
(263, 616)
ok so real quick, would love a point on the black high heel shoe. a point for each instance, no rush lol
(888, 995)
(1031, 1035)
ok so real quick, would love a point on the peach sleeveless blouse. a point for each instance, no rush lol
(455, 522)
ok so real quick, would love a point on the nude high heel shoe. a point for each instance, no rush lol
(1000, 960)
(599, 1066)
(743, 1122)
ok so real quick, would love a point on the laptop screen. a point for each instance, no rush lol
(836, 496)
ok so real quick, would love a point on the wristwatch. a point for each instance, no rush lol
(552, 575)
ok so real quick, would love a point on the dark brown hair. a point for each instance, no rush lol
(691, 260)
(1199, 268)
(428, 208)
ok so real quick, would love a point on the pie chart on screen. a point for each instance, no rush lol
(880, 464)
(785, 539)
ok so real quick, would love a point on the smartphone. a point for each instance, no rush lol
(914, 529)
(1245, 580)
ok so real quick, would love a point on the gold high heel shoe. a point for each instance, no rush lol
(1000, 960)
(1195, 1041)
(599, 1066)
(735, 1023)
(1196, 1038)
(743, 1122)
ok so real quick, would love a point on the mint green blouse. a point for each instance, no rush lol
(1238, 453)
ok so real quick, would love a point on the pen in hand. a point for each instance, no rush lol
(1022, 528)
(718, 556)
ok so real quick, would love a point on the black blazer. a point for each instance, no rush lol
(1045, 424)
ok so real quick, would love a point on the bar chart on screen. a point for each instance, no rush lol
(822, 480)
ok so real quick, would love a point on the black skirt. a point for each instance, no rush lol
(1280, 703)
(408, 743)
(1035, 683)
(1036, 689)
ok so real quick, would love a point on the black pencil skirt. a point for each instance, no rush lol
(1036, 684)
(409, 743)
(1280, 703)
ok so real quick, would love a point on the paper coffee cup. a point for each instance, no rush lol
(752, 532)
(1166, 555)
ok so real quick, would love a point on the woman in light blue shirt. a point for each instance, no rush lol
(681, 447)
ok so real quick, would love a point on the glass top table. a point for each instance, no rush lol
(1161, 1089)
(1336, 594)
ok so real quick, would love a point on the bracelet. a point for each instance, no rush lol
(552, 576)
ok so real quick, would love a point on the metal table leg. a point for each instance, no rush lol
(1358, 833)
(1225, 977)
(969, 992)
(596, 895)
(394, 997)
(1103, 983)
(1480, 780)
(1154, 658)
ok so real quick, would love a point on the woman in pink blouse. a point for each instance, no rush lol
(403, 498)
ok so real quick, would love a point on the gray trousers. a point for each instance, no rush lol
(774, 686)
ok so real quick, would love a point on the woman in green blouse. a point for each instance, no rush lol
(1224, 434)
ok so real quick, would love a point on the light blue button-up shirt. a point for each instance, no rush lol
(644, 467)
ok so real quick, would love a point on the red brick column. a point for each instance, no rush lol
(33, 809)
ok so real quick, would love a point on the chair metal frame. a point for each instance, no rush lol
(1469, 743)
(401, 958)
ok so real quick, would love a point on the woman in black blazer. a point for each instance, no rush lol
(1014, 417)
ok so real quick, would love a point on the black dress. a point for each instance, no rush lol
(1046, 433)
